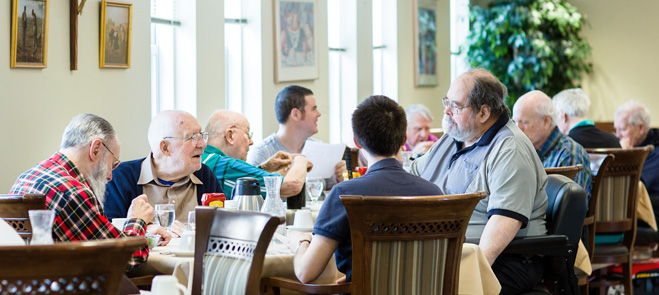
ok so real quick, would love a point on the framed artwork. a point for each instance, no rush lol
(425, 40)
(116, 26)
(296, 54)
(29, 33)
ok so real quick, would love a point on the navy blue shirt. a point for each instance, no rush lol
(650, 174)
(384, 178)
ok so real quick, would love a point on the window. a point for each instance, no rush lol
(233, 55)
(459, 32)
(163, 66)
(385, 56)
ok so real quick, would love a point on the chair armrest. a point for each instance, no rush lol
(295, 285)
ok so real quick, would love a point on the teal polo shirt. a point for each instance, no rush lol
(228, 169)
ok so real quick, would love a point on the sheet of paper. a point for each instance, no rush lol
(323, 156)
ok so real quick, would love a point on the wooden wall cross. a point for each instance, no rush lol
(75, 10)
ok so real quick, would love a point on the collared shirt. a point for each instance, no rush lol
(503, 163)
(182, 194)
(587, 122)
(79, 215)
(228, 169)
(560, 151)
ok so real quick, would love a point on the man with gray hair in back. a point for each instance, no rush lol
(536, 116)
(573, 105)
(419, 120)
(632, 123)
(73, 181)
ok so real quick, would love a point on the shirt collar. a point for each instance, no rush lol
(147, 174)
(384, 164)
(587, 122)
(213, 150)
(488, 136)
(552, 141)
(70, 167)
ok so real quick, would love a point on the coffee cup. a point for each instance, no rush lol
(166, 285)
(303, 219)
(187, 241)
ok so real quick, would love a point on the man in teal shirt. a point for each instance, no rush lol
(229, 140)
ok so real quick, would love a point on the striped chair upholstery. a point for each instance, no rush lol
(616, 212)
(230, 248)
(14, 210)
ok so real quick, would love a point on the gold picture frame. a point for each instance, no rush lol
(425, 43)
(116, 31)
(295, 48)
(29, 34)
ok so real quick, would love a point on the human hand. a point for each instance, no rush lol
(625, 143)
(339, 169)
(294, 238)
(140, 208)
(165, 236)
(341, 280)
(299, 157)
(176, 229)
(278, 161)
(422, 147)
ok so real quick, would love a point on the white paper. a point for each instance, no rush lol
(323, 156)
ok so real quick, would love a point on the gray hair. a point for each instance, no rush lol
(638, 113)
(487, 90)
(84, 128)
(545, 107)
(573, 102)
(418, 109)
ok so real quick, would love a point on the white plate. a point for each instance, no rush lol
(302, 229)
(183, 253)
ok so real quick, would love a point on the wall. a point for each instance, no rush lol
(36, 104)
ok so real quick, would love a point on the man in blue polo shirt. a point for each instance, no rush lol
(483, 150)
(379, 126)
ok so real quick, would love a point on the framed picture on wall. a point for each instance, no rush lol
(116, 26)
(29, 33)
(296, 53)
(425, 40)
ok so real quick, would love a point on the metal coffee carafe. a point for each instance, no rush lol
(247, 192)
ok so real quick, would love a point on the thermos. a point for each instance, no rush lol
(248, 194)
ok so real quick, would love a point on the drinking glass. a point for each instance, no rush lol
(42, 226)
(315, 186)
(407, 159)
(165, 215)
(191, 220)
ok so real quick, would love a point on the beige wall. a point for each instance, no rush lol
(38, 103)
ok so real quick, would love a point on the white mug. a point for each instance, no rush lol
(187, 241)
(303, 219)
(166, 285)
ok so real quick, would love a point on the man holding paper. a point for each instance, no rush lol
(297, 114)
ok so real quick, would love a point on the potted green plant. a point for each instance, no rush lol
(529, 45)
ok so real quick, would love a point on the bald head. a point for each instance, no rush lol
(535, 114)
(229, 131)
(168, 123)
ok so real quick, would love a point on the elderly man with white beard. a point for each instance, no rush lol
(73, 181)
(483, 150)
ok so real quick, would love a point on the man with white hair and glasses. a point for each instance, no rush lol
(419, 120)
(171, 174)
(73, 181)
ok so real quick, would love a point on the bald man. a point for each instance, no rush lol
(228, 143)
(535, 114)
(172, 173)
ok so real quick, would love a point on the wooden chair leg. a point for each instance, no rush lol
(627, 277)
(584, 289)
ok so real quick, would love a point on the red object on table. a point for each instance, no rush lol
(362, 170)
(213, 199)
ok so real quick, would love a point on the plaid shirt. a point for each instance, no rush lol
(560, 150)
(79, 215)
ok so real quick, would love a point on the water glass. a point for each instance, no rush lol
(407, 159)
(191, 220)
(165, 215)
(315, 186)
(42, 226)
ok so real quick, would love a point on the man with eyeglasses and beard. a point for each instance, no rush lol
(483, 150)
(171, 174)
(73, 181)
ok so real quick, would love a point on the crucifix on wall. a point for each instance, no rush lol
(75, 9)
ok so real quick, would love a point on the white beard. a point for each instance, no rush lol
(97, 182)
(452, 129)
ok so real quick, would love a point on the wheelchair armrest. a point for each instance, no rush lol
(536, 245)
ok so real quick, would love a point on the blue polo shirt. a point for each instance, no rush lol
(384, 178)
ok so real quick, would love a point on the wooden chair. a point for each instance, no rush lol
(616, 211)
(598, 164)
(14, 210)
(230, 248)
(568, 171)
(385, 231)
(92, 267)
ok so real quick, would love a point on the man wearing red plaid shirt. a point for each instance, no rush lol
(74, 179)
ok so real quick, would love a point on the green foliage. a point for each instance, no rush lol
(529, 45)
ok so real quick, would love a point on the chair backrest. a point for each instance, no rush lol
(616, 205)
(400, 244)
(230, 248)
(14, 210)
(568, 171)
(566, 207)
(598, 164)
(91, 267)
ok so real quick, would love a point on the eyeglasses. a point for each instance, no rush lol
(452, 105)
(116, 162)
(249, 133)
(195, 137)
